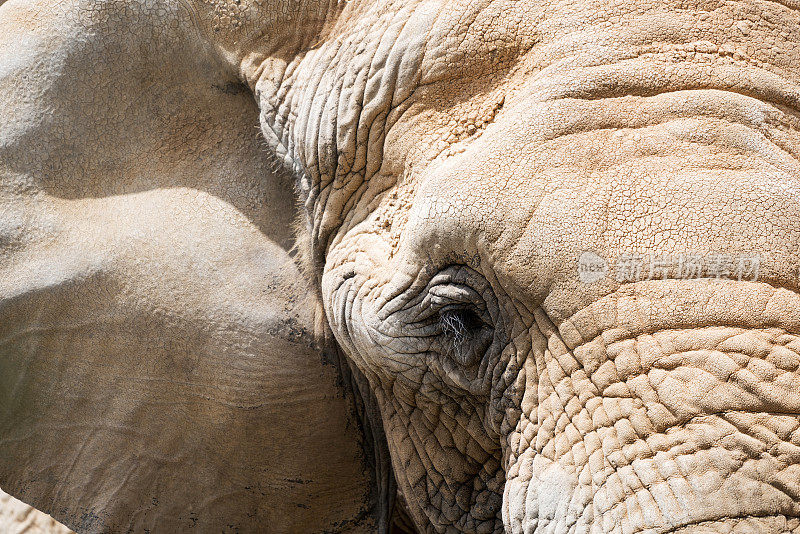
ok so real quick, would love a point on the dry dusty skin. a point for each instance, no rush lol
(17, 517)
(166, 365)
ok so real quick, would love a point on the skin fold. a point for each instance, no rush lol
(164, 365)
(429, 175)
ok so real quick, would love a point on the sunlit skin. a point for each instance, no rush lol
(452, 162)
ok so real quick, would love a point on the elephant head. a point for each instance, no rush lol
(549, 250)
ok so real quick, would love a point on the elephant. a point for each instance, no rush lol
(440, 266)
(18, 518)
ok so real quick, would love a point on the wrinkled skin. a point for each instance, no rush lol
(454, 160)
(163, 364)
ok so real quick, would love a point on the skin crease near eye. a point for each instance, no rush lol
(400, 266)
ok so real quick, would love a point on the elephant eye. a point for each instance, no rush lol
(458, 304)
(466, 335)
(459, 323)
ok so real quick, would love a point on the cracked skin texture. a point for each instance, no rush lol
(452, 160)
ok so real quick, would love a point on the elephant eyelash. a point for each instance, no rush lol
(458, 323)
(467, 335)
(455, 313)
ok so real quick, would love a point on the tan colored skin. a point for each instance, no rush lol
(18, 518)
(452, 155)
(632, 127)
(163, 363)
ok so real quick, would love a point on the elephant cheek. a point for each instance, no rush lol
(536, 496)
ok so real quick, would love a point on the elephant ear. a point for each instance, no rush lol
(164, 365)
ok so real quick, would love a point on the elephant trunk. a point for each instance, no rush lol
(668, 406)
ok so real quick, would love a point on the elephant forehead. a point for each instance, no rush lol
(471, 39)
(482, 56)
(395, 85)
(533, 203)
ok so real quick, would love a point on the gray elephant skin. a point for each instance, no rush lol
(483, 266)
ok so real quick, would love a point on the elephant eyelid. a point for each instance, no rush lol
(454, 294)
